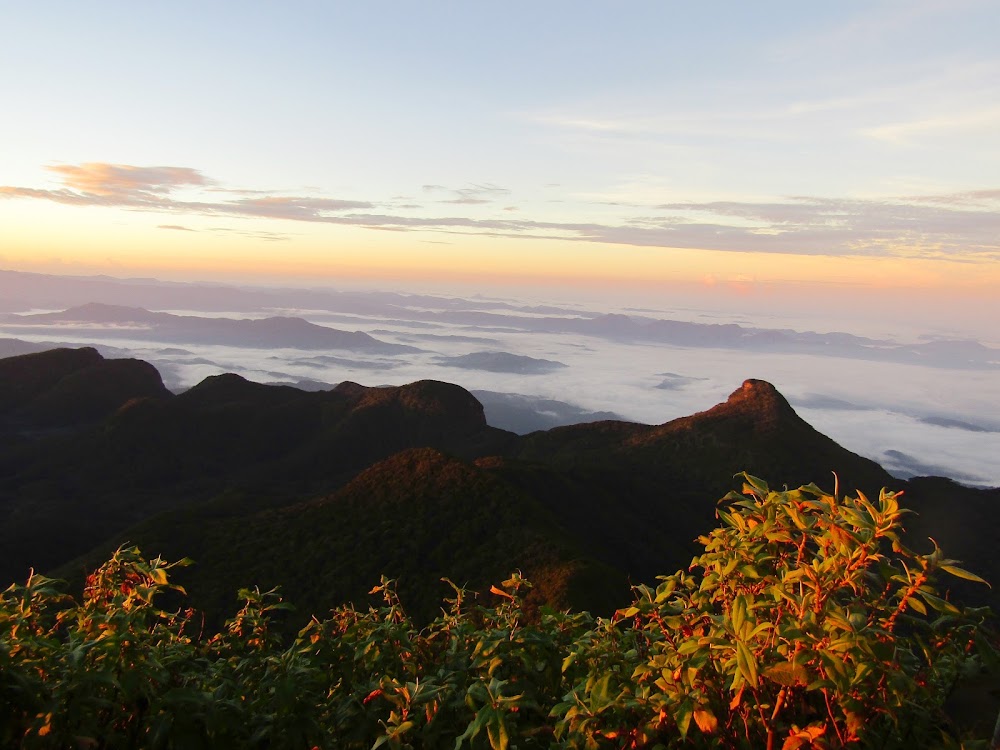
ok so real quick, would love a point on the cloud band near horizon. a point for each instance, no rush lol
(961, 226)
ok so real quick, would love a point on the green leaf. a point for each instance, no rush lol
(683, 717)
(787, 673)
(497, 732)
(961, 573)
(474, 727)
(568, 661)
(746, 663)
(600, 693)
(739, 612)
(688, 646)
(937, 603)
(758, 486)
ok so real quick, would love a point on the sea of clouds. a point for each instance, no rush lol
(912, 418)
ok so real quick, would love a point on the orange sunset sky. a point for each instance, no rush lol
(791, 147)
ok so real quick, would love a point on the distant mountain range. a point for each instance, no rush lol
(116, 321)
(22, 292)
(322, 491)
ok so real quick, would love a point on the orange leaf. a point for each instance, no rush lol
(735, 702)
(500, 592)
(706, 720)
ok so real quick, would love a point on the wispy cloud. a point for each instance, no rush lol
(988, 199)
(960, 226)
(473, 195)
(299, 209)
(951, 125)
(154, 188)
(252, 234)
(126, 181)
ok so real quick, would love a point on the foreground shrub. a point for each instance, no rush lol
(805, 623)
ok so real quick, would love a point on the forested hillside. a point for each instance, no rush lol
(324, 491)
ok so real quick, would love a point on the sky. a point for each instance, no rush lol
(813, 152)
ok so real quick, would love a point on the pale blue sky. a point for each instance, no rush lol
(860, 129)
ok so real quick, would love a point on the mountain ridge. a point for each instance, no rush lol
(590, 507)
(69, 388)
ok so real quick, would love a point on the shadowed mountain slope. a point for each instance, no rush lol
(61, 494)
(324, 491)
(965, 522)
(755, 430)
(65, 388)
(419, 516)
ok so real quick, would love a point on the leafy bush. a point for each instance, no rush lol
(805, 622)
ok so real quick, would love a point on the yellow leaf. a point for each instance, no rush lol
(159, 575)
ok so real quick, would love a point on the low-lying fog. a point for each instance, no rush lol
(916, 404)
